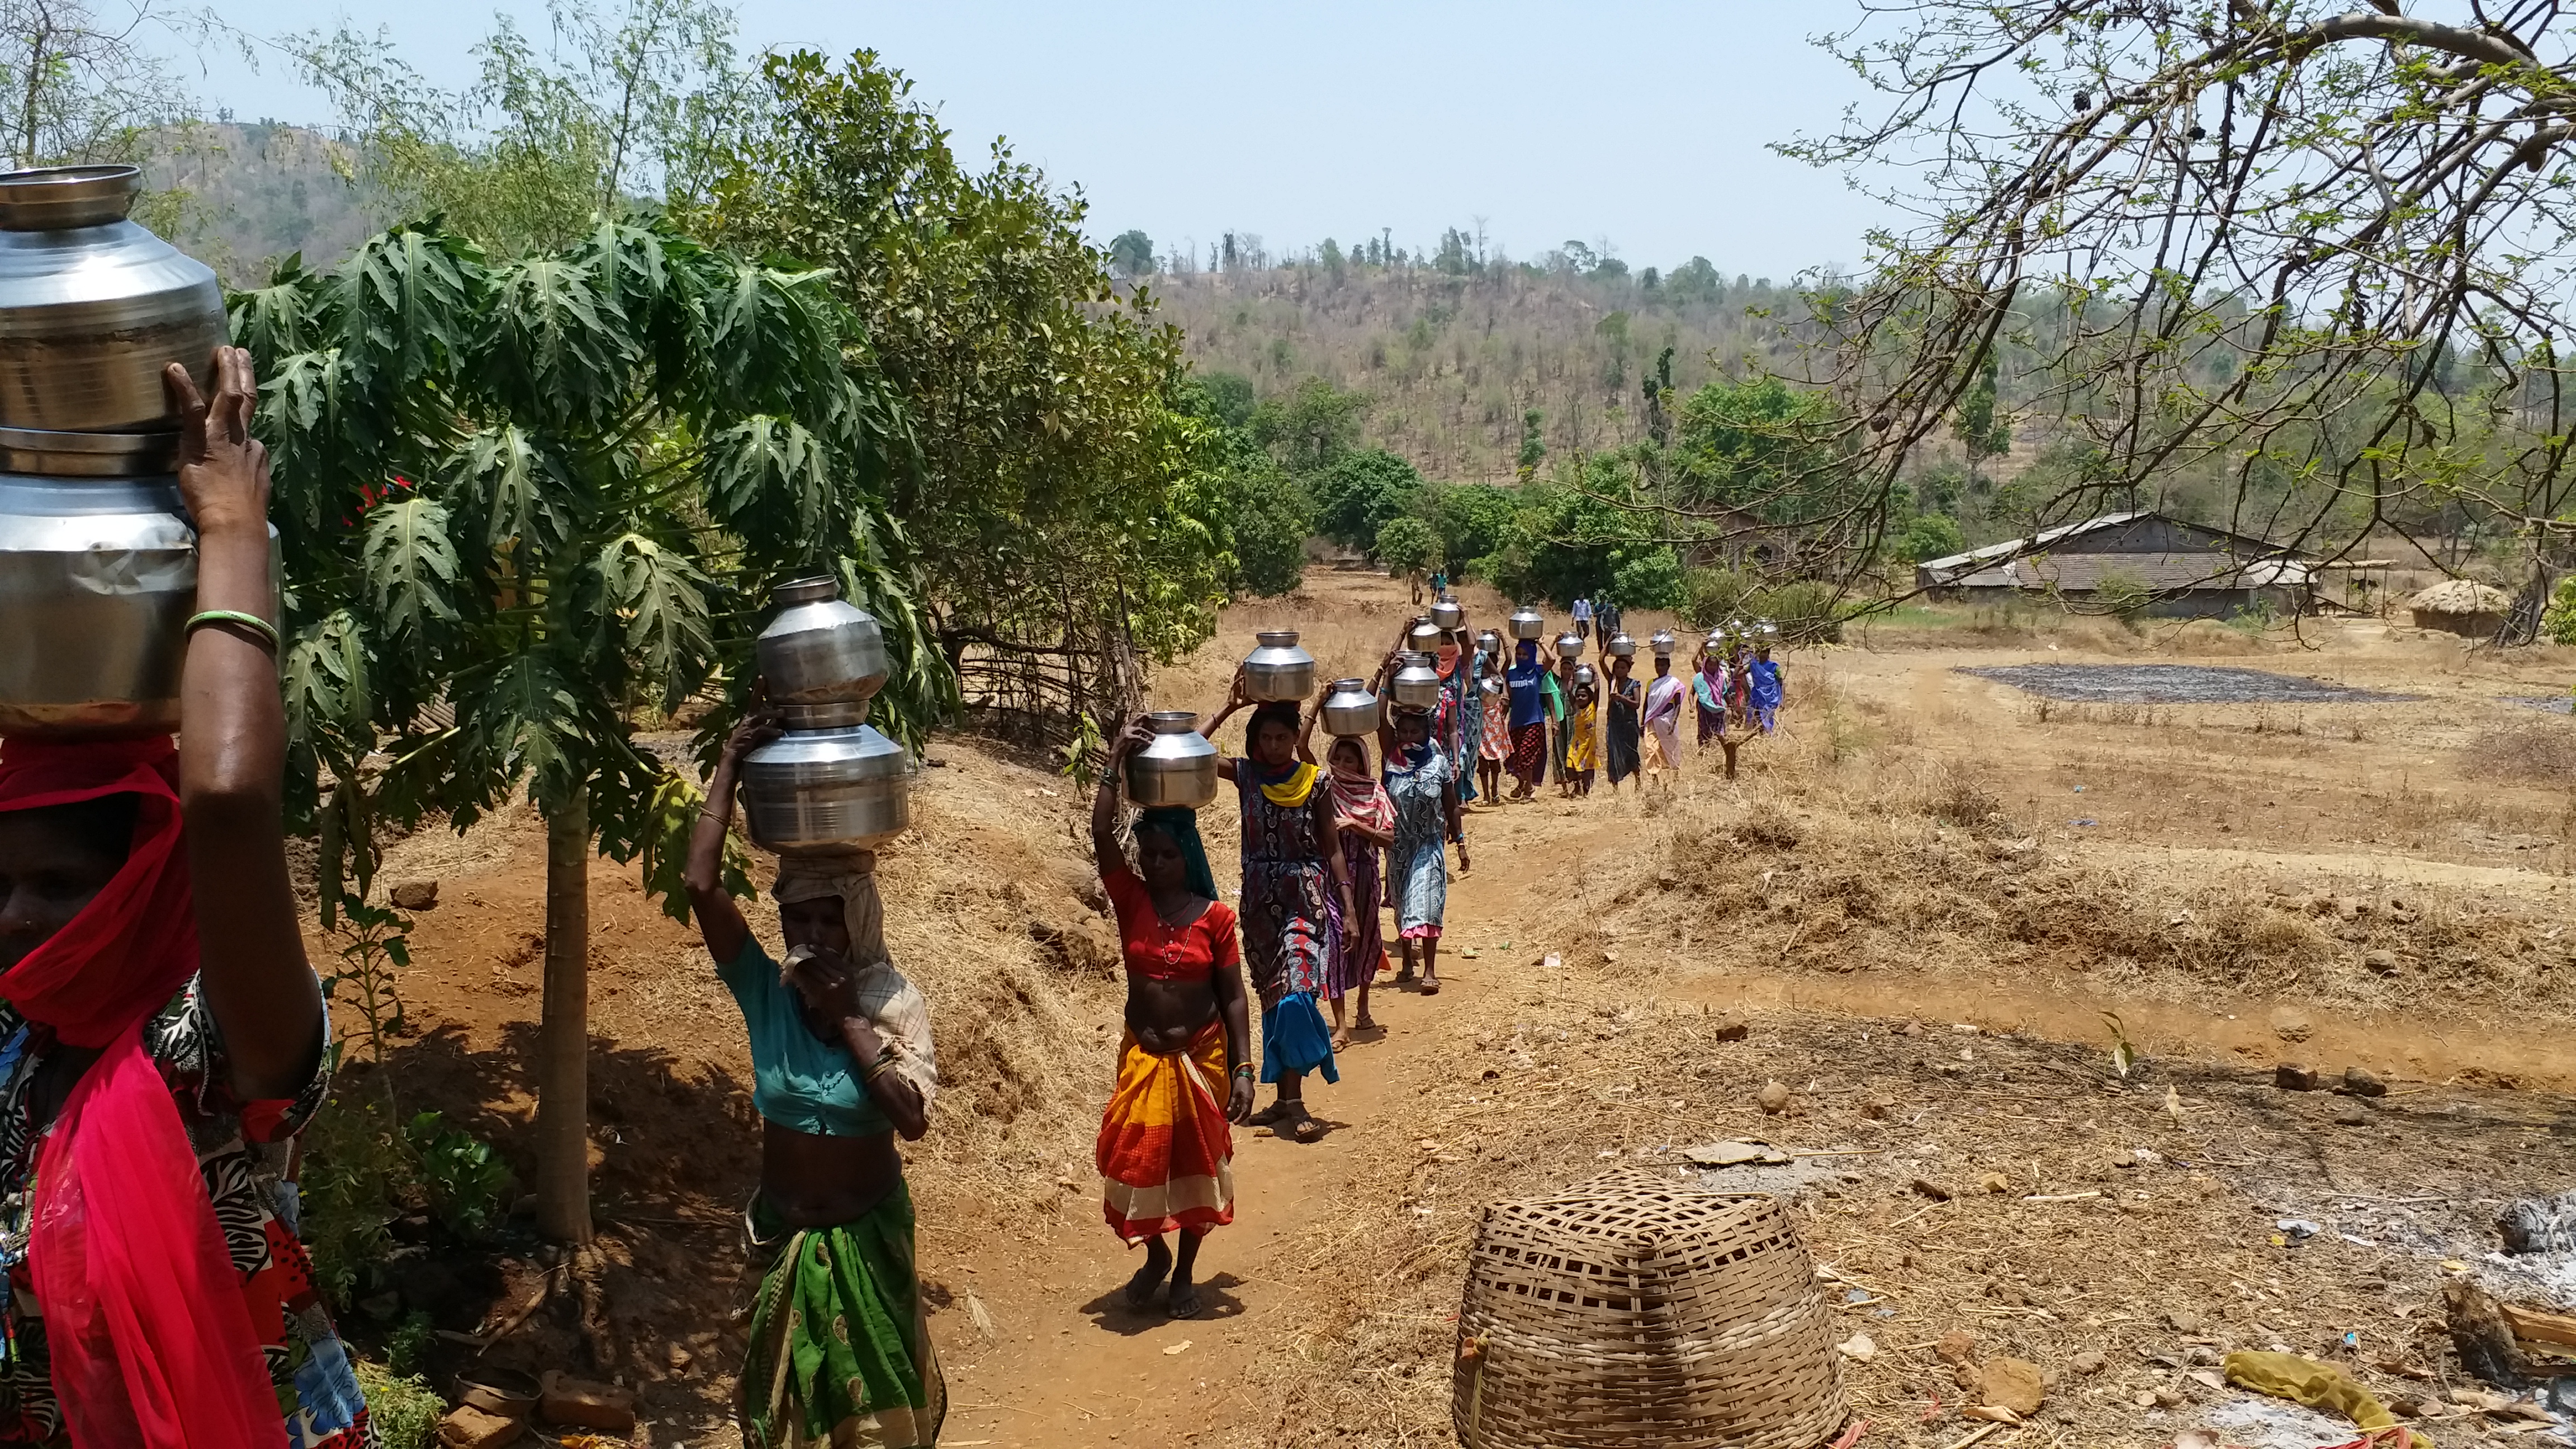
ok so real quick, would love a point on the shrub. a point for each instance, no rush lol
(1930, 535)
(1650, 580)
(402, 1407)
(1272, 517)
(1710, 597)
(1406, 545)
(2558, 620)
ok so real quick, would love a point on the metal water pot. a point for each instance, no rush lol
(1448, 614)
(1583, 674)
(821, 659)
(1527, 623)
(1620, 647)
(1351, 710)
(97, 579)
(1416, 684)
(1569, 645)
(92, 306)
(1424, 638)
(1492, 686)
(1176, 767)
(1491, 641)
(827, 791)
(1662, 643)
(1277, 669)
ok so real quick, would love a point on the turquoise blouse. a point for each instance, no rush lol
(798, 1080)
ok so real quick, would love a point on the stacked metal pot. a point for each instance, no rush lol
(98, 564)
(831, 785)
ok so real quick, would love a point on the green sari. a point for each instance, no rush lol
(840, 1341)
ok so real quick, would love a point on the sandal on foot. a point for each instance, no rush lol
(1306, 1129)
(1430, 987)
(1185, 1301)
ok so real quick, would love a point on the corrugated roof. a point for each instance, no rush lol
(2036, 541)
(2157, 573)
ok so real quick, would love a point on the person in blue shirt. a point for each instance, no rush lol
(1528, 684)
(1583, 617)
(1764, 684)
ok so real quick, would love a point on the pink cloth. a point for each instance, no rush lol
(152, 1340)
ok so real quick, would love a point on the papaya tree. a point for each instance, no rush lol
(522, 502)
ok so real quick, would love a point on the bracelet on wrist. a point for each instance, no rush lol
(259, 630)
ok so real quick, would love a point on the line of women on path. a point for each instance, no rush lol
(843, 1063)
(1567, 722)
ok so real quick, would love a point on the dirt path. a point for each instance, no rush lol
(1070, 1365)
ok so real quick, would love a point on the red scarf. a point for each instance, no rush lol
(1362, 800)
(151, 1339)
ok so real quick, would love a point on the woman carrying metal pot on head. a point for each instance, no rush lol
(1425, 792)
(841, 1062)
(1529, 718)
(1185, 1067)
(1626, 699)
(1292, 859)
(1365, 821)
(162, 1037)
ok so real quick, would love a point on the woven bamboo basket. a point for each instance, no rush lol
(1630, 1311)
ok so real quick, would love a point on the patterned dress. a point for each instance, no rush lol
(1417, 867)
(243, 1150)
(1286, 939)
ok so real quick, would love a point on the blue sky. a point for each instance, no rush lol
(1641, 124)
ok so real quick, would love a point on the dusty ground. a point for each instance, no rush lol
(1922, 899)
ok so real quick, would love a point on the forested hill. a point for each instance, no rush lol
(240, 195)
(1452, 357)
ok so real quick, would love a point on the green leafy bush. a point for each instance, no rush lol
(1649, 578)
(2123, 596)
(1930, 535)
(1406, 545)
(1358, 493)
(404, 1409)
(2558, 620)
(466, 1182)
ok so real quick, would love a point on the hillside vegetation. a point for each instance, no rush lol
(1454, 356)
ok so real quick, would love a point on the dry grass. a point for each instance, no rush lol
(2541, 751)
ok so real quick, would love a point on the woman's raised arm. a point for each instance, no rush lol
(232, 747)
(720, 922)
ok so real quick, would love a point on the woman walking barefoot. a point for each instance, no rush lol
(1165, 1156)
(1662, 723)
(1583, 738)
(1365, 819)
(1291, 850)
(1626, 699)
(1528, 717)
(841, 1061)
(1426, 817)
(1496, 746)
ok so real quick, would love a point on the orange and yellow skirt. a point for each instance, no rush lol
(1166, 1154)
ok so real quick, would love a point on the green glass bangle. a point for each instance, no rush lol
(253, 622)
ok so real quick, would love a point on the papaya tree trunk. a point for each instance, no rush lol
(563, 1036)
(328, 871)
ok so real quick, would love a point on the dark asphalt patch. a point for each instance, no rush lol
(2175, 684)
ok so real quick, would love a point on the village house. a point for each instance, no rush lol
(2182, 570)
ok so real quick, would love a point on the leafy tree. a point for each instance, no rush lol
(1533, 443)
(624, 105)
(548, 492)
(1132, 254)
(1977, 426)
(1270, 516)
(1472, 519)
(80, 86)
(2295, 239)
(1930, 536)
(1230, 398)
(1648, 578)
(1407, 546)
(1064, 496)
(1764, 448)
(1312, 427)
(1359, 492)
